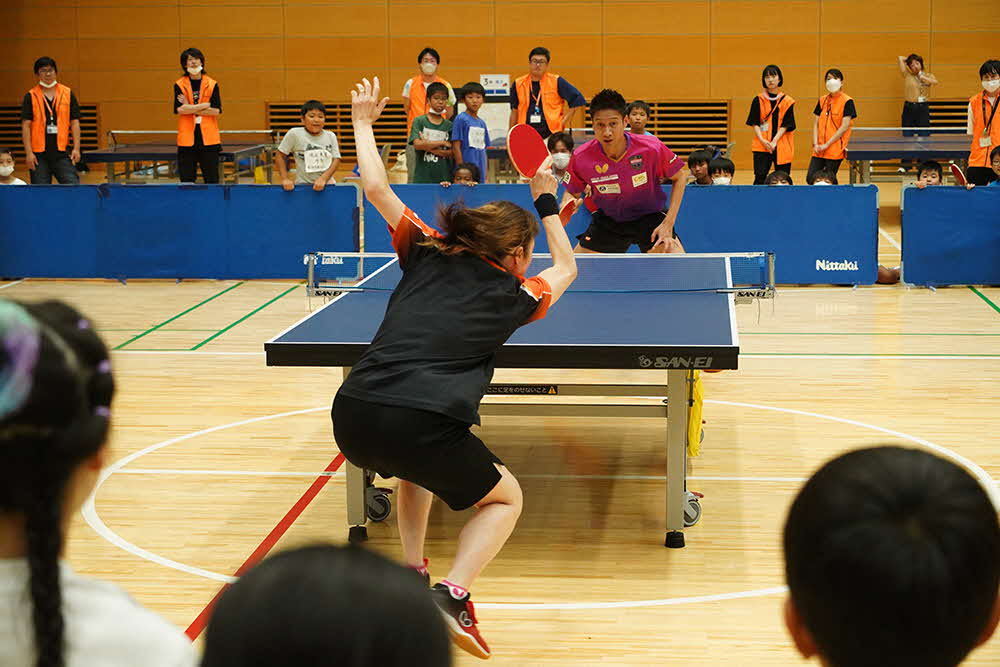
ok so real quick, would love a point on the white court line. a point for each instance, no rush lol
(16, 282)
(891, 240)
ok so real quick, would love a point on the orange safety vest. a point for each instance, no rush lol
(418, 99)
(786, 144)
(38, 104)
(186, 121)
(830, 117)
(552, 104)
(979, 156)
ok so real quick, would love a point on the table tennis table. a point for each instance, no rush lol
(150, 157)
(667, 334)
(865, 148)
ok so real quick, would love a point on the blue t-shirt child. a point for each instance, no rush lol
(475, 137)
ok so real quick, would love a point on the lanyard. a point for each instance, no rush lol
(989, 123)
(773, 114)
(536, 100)
(51, 106)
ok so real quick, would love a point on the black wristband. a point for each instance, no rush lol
(546, 205)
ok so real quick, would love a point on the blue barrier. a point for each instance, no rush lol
(172, 231)
(819, 235)
(951, 236)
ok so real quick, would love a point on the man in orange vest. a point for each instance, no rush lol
(415, 101)
(198, 104)
(538, 98)
(984, 124)
(831, 128)
(49, 113)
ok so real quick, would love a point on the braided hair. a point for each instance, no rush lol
(56, 388)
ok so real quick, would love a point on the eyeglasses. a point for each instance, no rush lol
(538, 61)
(45, 71)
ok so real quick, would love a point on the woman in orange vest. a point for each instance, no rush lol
(49, 113)
(772, 117)
(197, 103)
(831, 128)
(415, 101)
(984, 124)
(538, 97)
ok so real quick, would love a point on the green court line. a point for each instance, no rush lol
(170, 329)
(863, 354)
(178, 315)
(855, 333)
(985, 298)
(245, 317)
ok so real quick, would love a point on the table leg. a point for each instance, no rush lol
(866, 171)
(356, 483)
(677, 430)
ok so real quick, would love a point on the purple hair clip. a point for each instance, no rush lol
(83, 324)
(102, 411)
(104, 367)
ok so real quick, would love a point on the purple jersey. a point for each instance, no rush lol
(627, 188)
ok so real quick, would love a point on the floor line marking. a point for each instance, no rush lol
(16, 282)
(985, 298)
(891, 240)
(175, 317)
(245, 317)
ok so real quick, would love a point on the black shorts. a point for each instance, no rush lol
(607, 235)
(428, 449)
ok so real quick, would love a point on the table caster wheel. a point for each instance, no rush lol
(692, 510)
(377, 503)
(675, 540)
(357, 534)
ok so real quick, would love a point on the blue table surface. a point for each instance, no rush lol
(126, 152)
(579, 318)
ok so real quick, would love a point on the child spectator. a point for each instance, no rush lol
(824, 177)
(639, 114)
(469, 135)
(995, 165)
(983, 124)
(364, 610)
(832, 127)
(56, 388)
(892, 557)
(929, 173)
(7, 169)
(698, 162)
(317, 154)
(560, 145)
(464, 174)
(721, 169)
(778, 178)
(772, 118)
(429, 137)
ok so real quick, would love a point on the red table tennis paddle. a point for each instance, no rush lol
(526, 148)
(956, 171)
(567, 211)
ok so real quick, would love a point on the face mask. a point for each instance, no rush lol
(428, 68)
(194, 71)
(991, 86)
(6, 171)
(47, 85)
(833, 85)
(434, 112)
(560, 160)
(721, 180)
(822, 183)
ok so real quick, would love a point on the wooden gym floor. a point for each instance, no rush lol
(226, 451)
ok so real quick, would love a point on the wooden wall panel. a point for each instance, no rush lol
(428, 19)
(764, 16)
(523, 18)
(662, 18)
(118, 22)
(881, 16)
(336, 18)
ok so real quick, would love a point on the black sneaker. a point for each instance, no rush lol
(460, 616)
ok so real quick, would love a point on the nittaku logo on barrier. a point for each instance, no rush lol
(674, 362)
(827, 265)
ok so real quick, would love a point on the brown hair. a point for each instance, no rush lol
(494, 230)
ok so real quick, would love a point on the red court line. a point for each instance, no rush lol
(199, 623)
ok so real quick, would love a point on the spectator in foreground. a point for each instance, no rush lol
(721, 169)
(824, 177)
(464, 174)
(892, 557)
(698, 161)
(778, 178)
(7, 168)
(50, 113)
(929, 173)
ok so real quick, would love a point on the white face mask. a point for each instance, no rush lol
(822, 183)
(560, 160)
(6, 170)
(434, 112)
(991, 86)
(721, 180)
(194, 71)
(833, 85)
(47, 85)
(428, 68)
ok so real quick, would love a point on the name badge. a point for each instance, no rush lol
(765, 127)
(639, 179)
(52, 128)
(317, 159)
(535, 119)
(609, 189)
(921, 99)
(985, 142)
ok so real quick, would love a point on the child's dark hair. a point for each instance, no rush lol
(540, 51)
(989, 67)
(45, 61)
(473, 170)
(55, 395)
(364, 610)
(494, 230)
(994, 154)
(722, 164)
(772, 70)
(913, 57)
(823, 175)
(6, 151)
(193, 53)
(639, 104)
(472, 87)
(428, 50)
(700, 156)
(892, 555)
(930, 165)
(776, 177)
(836, 73)
(435, 88)
(565, 137)
(313, 105)
(608, 99)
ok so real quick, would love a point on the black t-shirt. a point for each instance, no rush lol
(445, 320)
(215, 101)
(788, 122)
(28, 113)
(849, 109)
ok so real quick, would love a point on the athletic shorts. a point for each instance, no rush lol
(428, 449)
(607, 235)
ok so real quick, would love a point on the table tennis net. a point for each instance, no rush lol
(747, 274)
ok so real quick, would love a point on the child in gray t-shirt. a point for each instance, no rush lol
(317, 154)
